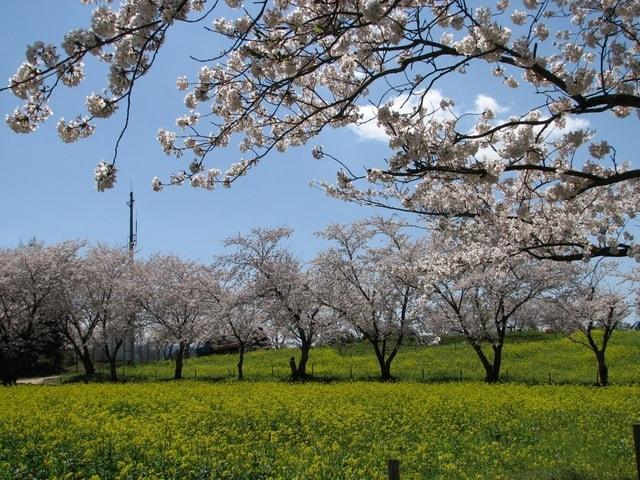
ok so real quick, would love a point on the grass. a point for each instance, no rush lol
(530, 359)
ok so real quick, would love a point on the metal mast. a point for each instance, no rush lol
(133, 237)
(132, 233)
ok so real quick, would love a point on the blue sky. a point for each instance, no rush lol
(47, 189)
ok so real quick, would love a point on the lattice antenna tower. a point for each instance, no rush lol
(133, 227)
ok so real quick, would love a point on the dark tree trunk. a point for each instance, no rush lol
(385, 372)
(497, 363)
(385, 359)
(113, 370)
(241, 361)
(385, 366)
(491, 375)
(87, 362)
(603, 370)
(112, 356)
(299, 371)
(304, 358)
(294, 368)
(179, 359)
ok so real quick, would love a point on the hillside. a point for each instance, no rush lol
(527, 359)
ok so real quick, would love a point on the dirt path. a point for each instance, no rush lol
(40, 380)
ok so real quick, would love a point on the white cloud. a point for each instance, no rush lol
(572, 123)
(484, 102)
(368, 128)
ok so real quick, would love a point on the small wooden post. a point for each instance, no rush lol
(351, 372)
(423, 374)
(272, 370)
(393, 467)
(636, 442)
(460, 374)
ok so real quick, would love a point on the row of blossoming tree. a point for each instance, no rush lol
(371, 283)
(539, 183)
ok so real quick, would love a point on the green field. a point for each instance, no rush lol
(527, 359)
(268, 428)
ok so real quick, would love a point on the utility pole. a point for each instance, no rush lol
(133, 237)
(132, 234)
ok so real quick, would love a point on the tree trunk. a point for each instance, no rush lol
(294, 368)
(385, 366)
(179, 358)
(497, 363)
(603, 371)
(385, 371)
(299, 372)
(87, 362)
(113, 370)
(113, 359)
(490, 373)
(241, 361)
(304, 358)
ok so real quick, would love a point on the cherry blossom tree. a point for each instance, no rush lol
(246, 322)
(106, 285)
(375, 286)
(290, 69)
(284, 286)
(31, 283)
(235, 311)
(588, 309)
(77, 317)
(480, 302)
(171, 298)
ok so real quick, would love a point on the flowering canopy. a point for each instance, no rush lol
(292, 68)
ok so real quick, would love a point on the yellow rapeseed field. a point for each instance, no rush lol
(272, 430)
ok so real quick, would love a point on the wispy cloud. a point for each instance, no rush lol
(368, 128)
(484, 102)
